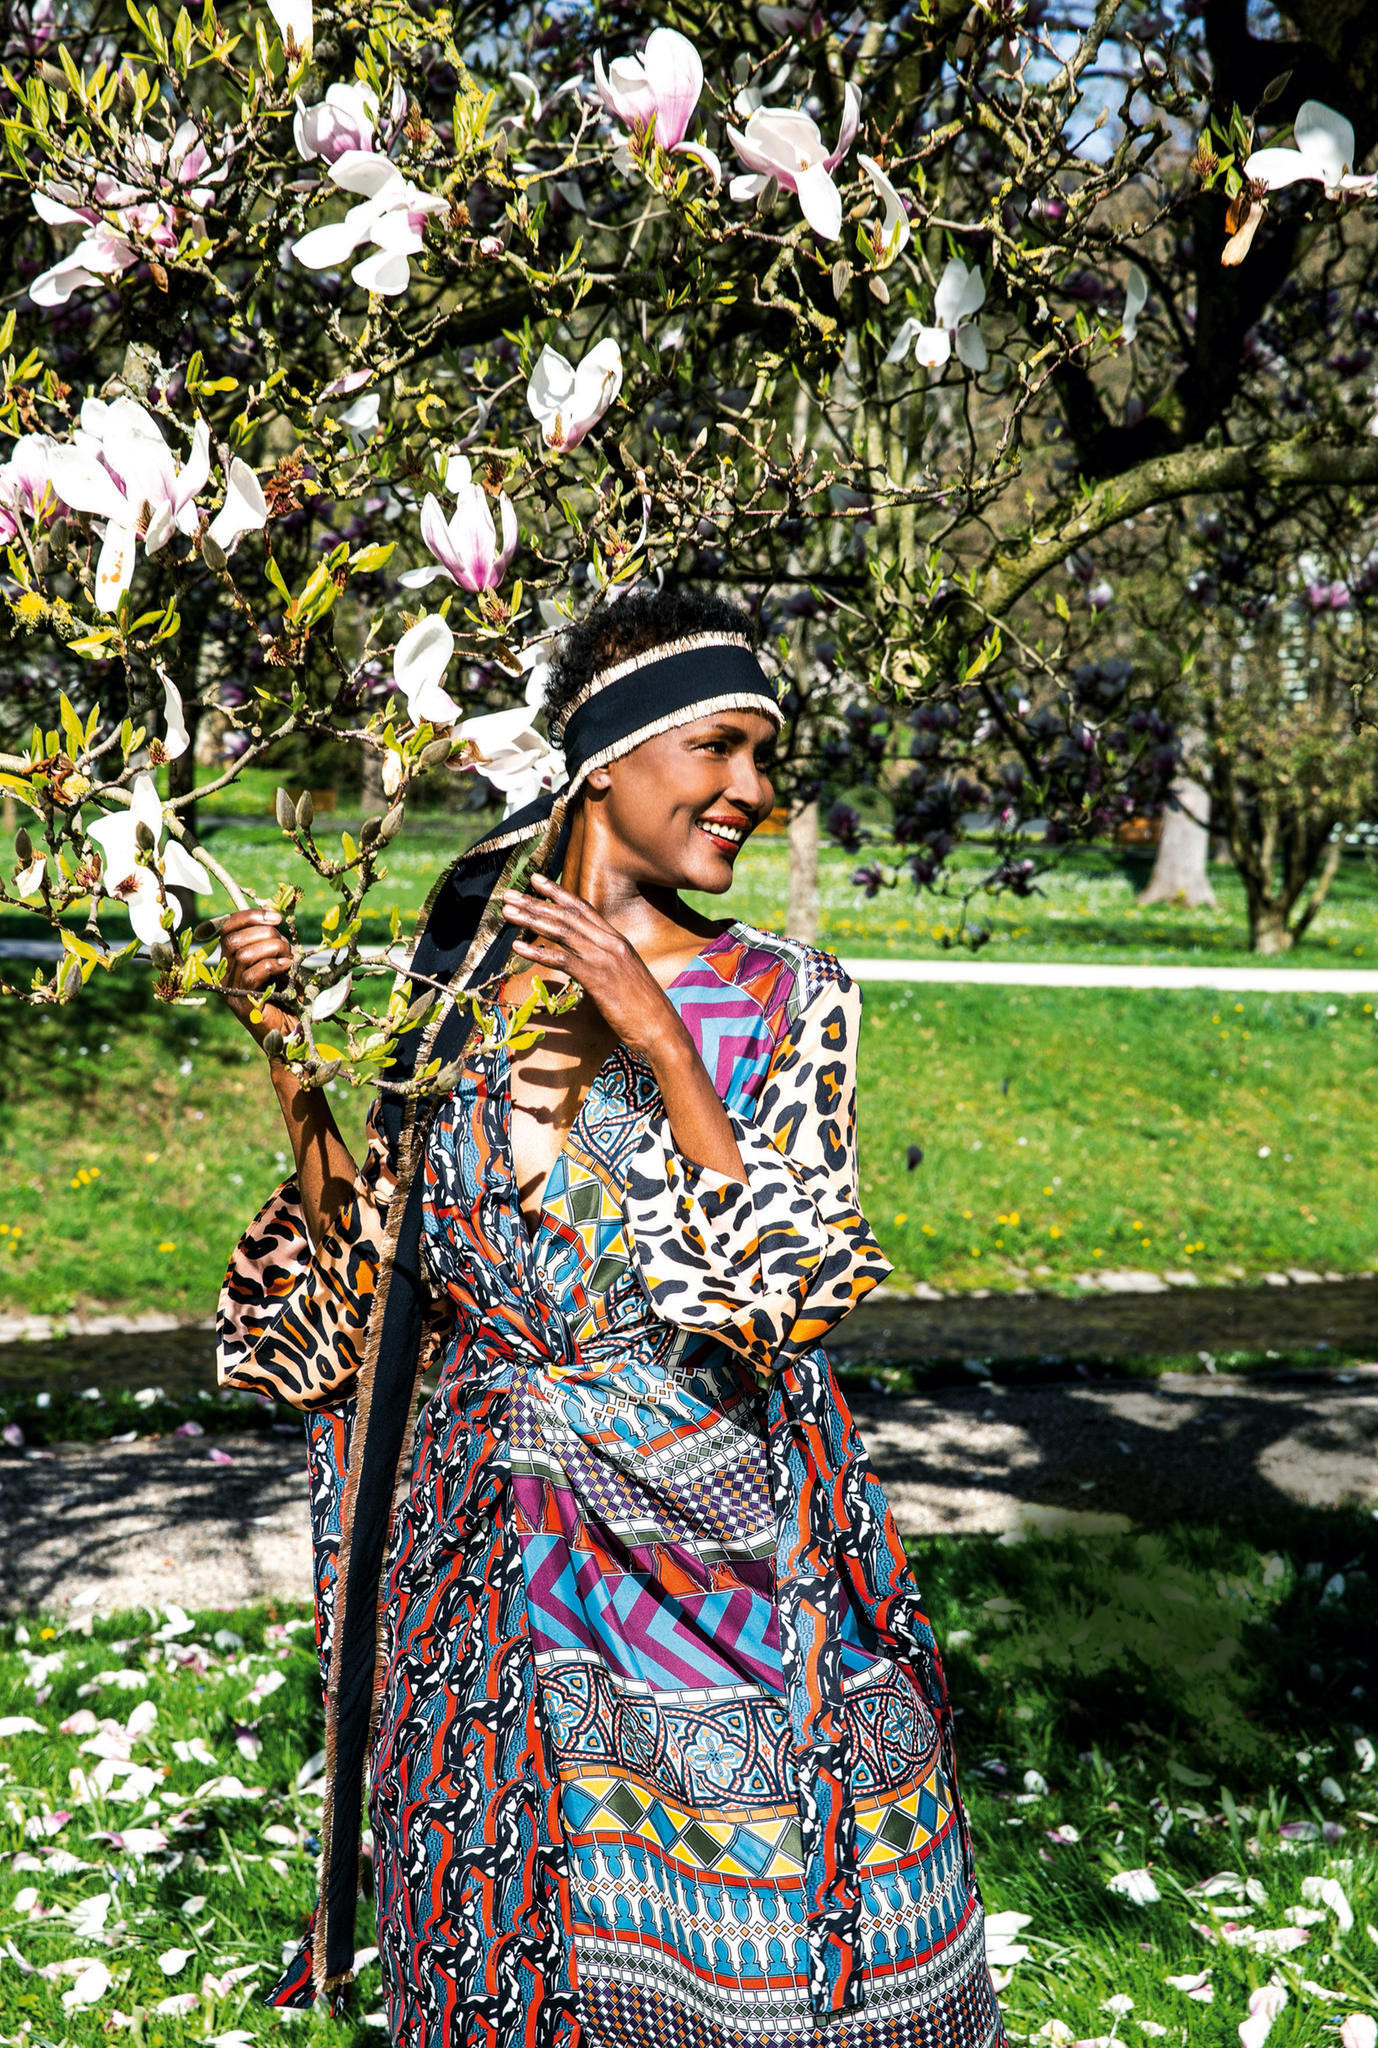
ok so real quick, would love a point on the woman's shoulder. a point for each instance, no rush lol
(787, 975)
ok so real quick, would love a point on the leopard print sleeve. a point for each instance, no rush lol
(291, 1320)
(771, 1263)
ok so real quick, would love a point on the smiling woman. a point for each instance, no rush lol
(619, 1630)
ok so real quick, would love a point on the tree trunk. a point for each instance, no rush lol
(801, 918)
(371, 794)
(1268, 931)
(1179, 872)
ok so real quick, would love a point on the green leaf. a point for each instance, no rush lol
(181, 38)
(367, 560)
(275, 577)
(73, 731)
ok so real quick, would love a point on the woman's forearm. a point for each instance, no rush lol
(700, 1126)
(325, 1169)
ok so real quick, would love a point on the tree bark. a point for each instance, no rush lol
(1179, 872)
(1268, 931)
(801, 918)
(371, 794)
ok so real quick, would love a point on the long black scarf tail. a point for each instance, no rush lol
(453, 922)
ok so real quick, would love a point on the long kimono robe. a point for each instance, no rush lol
(663, 1750)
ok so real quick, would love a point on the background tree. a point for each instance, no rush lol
(1003, 321)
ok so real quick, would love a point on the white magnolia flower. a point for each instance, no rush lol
(29, 880)
(245, 509)
(344, 120)
(466, 547)
(534, 655)
(513, 756)
(391, 217)
(159, 178)
(361, 419)
(566, 401)
(1135, 299)
(661, 85)
(884, 239)
(1324, 152)
(1135, 1885)
(419, 660)
(961, 293)
(294, 19)
(783, 143)
(118, 467)
(135, 882)
(26, 485)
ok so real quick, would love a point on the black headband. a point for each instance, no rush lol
(647, 694)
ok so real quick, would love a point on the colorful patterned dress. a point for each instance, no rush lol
(663, 1752)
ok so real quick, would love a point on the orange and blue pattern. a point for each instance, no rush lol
(664, 1750)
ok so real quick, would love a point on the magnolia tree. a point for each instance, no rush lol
(356, 353)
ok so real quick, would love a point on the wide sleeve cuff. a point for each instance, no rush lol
(292, 1319)
(768, 1263)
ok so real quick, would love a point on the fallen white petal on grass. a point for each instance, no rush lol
(20, 1724)
(1135, 1885)
(1360, 2030)
(174, 1960)
(179, 2004)
(91, 1986)
(1197, 1986)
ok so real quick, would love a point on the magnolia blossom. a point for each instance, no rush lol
(783, 143)
(1324, 152)
(345, 120)
(180, 171)
(1135, 299)
(391, 217)
(466, 548)
(1135, 1885)
(176, 742)
(960, 294)
(29, 880)
(118, 467)
(137, 882)
(361, 419)
(566, 401)
(294, 19)
(661, 86)
(26, 484)
(419, 660)
(884, 239)
(513, 756)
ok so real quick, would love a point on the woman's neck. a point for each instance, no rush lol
(654, 919)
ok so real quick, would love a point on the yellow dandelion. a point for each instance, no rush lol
(167, 1245)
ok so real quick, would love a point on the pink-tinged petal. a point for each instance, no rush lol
(327, 248)
(851, 121)
(1360, 2030)
(54, 287)
(435, 532)
(971, 347)
(780, 141)
(702, 154)
(1278, 167)
(674, 73)
(820, 201)
(475, 541)
(1326, 139)
(623, 90)
(195, 472)
(383, 272)
(86, 485)
(58, 213)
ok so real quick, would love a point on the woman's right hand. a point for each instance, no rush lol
(257, 954)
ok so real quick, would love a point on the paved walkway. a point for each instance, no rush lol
(107, 1526)
(1316, 981)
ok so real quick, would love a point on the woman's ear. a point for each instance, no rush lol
(598, 778)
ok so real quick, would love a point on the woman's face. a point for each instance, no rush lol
(681, 806)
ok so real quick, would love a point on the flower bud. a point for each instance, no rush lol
(272, 1044)
(392, 773)
(143, 837)
(369, 830)
(212, 554)
(162, 957)
(207, 932)
(306, 811)
(286, 812)
(389, 824)
(23, 847)
(435, 753)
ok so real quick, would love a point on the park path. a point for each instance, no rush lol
(1251, 980)
(109, 1526)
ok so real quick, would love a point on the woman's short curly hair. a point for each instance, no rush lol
(634, 624)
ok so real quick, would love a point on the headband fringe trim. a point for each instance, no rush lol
(688, 643)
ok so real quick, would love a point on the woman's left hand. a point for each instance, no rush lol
(567, 934)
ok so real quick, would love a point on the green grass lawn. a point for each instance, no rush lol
(1062, 1131)
(1085, 908)
(1192, 1704)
